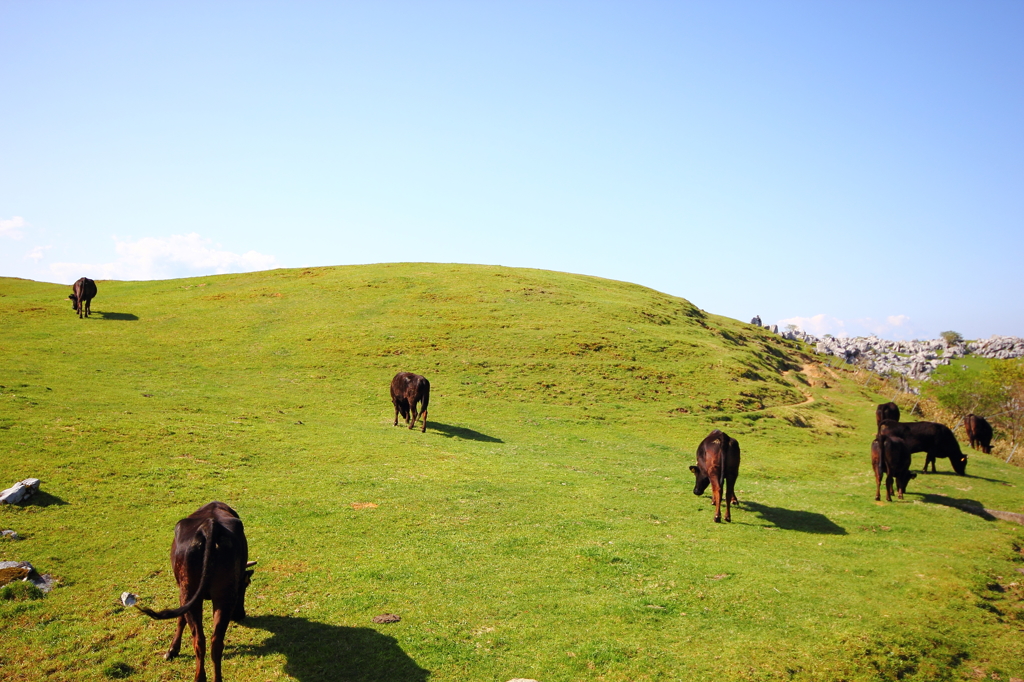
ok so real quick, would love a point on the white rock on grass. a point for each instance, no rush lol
(20, 491)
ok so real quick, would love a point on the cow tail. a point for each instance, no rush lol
(208, 526)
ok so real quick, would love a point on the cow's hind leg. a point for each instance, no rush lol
(424, 415)
(888, 488)
(396, 413)
(176, 642)
(220, 626)
(716, 498)
(195, 624)
(730, 498)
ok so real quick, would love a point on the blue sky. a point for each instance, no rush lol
(848, 166)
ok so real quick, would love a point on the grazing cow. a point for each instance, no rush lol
(408, 389)
(891, 456)
(936, 440)
(979, 432)
(209, 557)
(82, 293)
(718, 463)
(887, 411)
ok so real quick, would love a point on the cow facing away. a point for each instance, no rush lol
(718, 464)
(210, 559)
(82, 293)
(408, 389)
(979, 433)
(890, 456)
(931, 438)
(886, 412)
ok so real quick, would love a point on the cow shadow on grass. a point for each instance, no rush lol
(791, 519)
(450, 431)
(319, 652)
(953, 473)
(124, 317)
(965, 505)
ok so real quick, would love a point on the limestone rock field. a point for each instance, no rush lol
(544, 526)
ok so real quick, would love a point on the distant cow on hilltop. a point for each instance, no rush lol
(82, 293)
(408, 389)
(886, 411)
(979, 433)
(718, 464)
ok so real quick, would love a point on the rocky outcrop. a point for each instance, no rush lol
(1001, 347)
(913, 359)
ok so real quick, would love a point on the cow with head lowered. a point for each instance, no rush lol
(408, 390)
(931, 438)
(887, 412)
(82, 293)
(210, 559)
(718, 465)
(979, 433)
(890, 457)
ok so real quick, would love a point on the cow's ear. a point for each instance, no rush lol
(694, 469)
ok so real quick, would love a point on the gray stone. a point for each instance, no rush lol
(20, 491)
(25, 571)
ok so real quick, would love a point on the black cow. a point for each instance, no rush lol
(718, 463)
(408, 389)
(891, 456)
(210, 559)
(935, 440)
(887, 412)
(82, 293)
(979, 432)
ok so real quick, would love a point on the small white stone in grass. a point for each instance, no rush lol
(128, 599)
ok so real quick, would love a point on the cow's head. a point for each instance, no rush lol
(243, 586)
(902, 480)
(959, 464)
(74, 302)
(702, 481)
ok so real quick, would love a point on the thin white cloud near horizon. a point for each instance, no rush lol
(893, 326)
(10, 227)
(179, 255)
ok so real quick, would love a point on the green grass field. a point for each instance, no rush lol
(543, 527)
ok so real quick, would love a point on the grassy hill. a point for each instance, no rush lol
(544, 526)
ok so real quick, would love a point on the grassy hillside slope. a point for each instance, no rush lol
(543, 527)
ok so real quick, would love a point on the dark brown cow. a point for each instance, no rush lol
(82, 293)
(979, 432)
(890, 456)
(931, 438)
(408, 389)
(887, 411)
(718, 463)
(209, 557)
